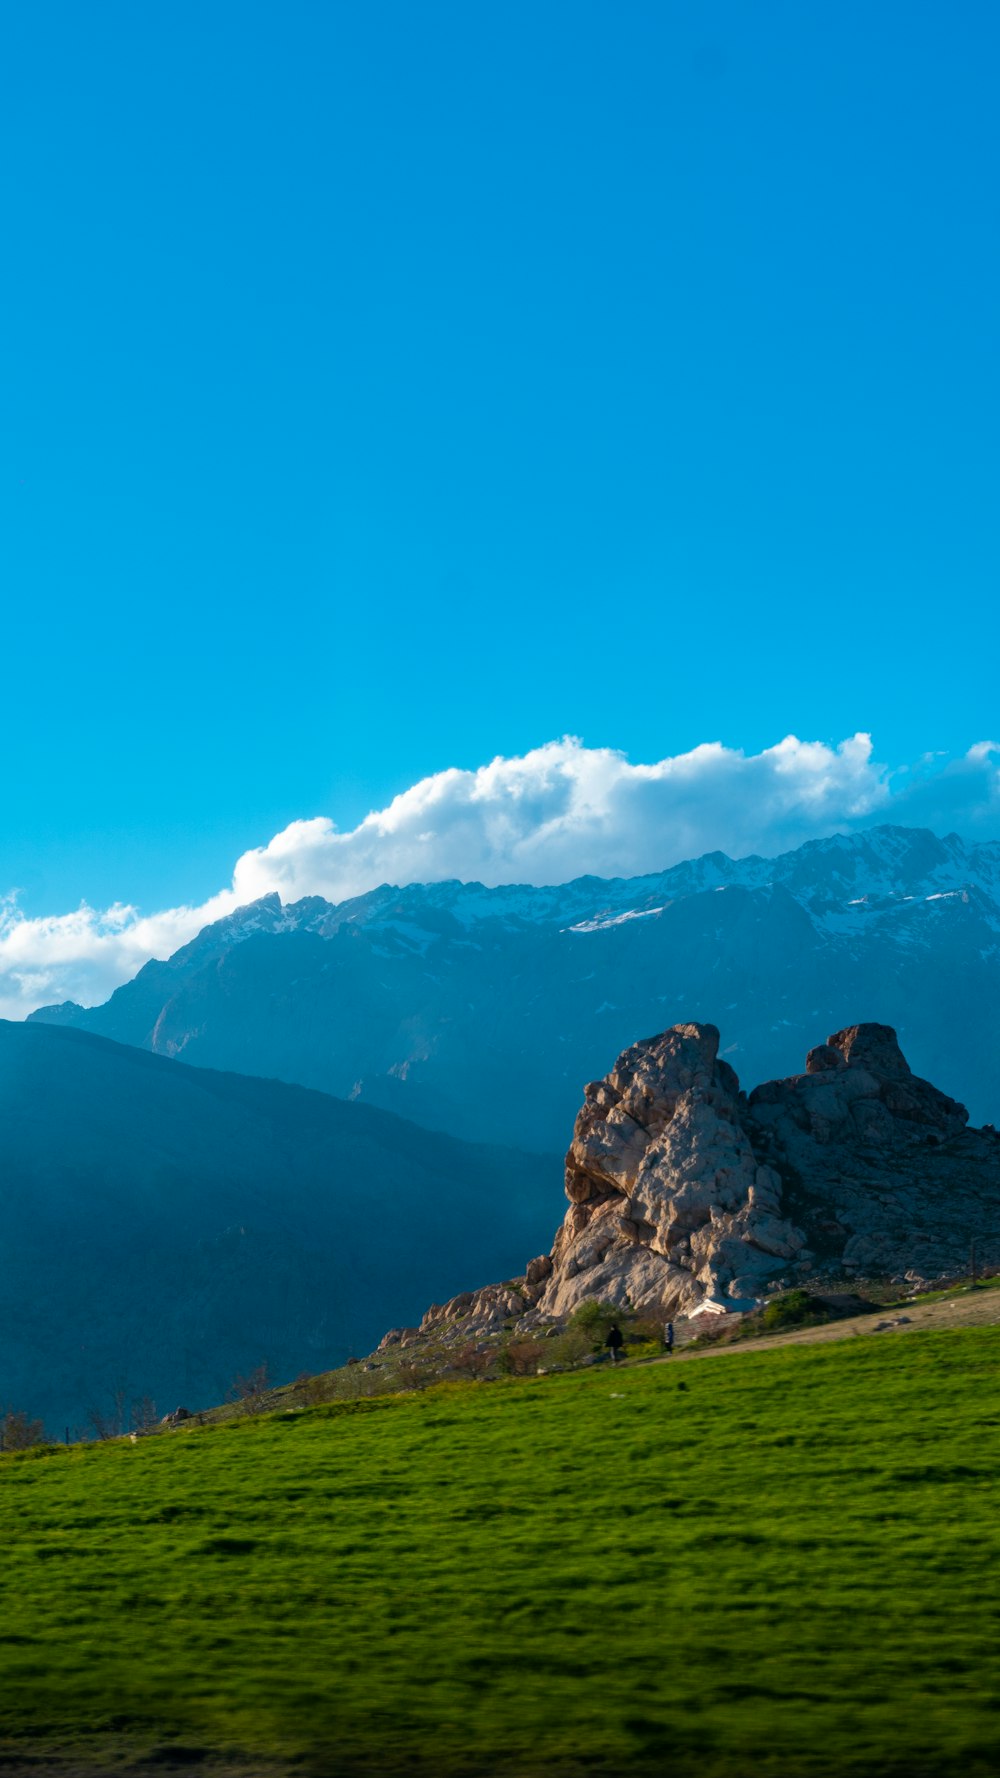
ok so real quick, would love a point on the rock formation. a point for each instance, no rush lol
(682, 1189)
(668, 1200)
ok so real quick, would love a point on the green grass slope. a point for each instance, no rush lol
(773, 1563)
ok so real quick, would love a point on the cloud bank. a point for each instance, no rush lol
(560, 811)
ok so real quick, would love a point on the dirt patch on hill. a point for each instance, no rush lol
(976, 1309)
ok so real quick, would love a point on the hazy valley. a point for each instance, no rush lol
(163, 1227)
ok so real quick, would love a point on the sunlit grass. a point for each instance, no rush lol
(780, 1567)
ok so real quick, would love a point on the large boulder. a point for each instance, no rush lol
(668, 1201)
(683, 1191)
(879, 1166)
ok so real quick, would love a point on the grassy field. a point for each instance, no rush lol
(776, 1562)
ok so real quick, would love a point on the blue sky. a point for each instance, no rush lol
(387, 387)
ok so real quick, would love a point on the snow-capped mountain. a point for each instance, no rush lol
(484, 1010)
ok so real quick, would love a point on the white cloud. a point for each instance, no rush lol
(564, 810)
(560, 811)
(85, 955)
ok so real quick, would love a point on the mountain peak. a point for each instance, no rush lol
(66, 1013)
(480, 1009)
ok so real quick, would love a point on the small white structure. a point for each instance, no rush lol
(731, 1305)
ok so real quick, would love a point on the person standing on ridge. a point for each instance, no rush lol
(668, 1338)
(614, 1341)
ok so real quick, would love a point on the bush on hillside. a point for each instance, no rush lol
(253, 1393)
(311, 1391)
(565, 1349)
(643, 1331)
(795, 1308)
(411, 1375)
(472, 1360)
(594, 1318)
(521, 1357)
(18, 1433)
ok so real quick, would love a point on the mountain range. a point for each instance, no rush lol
(482, 1011)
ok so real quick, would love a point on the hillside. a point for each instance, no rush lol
(164, 1227)
(768, 1563)
(482, 1011)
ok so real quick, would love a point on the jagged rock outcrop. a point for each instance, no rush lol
(883, 1171)
(668, 1200)
(682, 1189)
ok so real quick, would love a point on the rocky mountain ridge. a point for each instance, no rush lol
(478, 1010)
(683, 1190)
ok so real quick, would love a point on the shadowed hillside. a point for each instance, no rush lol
(162, 1227)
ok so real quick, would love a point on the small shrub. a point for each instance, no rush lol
(144, 1416)
(594, 1318)
(568, 1347)
(253, 1392)
(18, 1433)
(796, 1308)
(472, 1361)
(521, 1358)
(311, 1391)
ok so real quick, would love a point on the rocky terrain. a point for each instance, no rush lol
(684, 1191)
(480, 1010)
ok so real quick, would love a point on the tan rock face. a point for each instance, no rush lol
(681, 1188)
(668, 1200)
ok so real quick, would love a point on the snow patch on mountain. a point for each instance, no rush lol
(602, 921)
